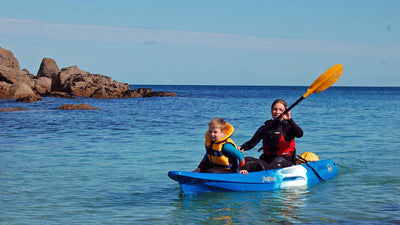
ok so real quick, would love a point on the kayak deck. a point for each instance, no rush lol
(268, 180)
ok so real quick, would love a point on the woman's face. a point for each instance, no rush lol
(277, 110)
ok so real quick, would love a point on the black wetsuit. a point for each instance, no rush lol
(275, 135)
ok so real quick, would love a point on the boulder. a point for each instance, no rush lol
(58, 94)
(11, 76)
(30, 98)
(48, 68)
(42, 86)
(22, 92)
(7, 59)
(15, 83)
(160, 94)
(12, 109)
(82, 106)
(4, 89)
(147, 92)
(138, 92)
(63, 75)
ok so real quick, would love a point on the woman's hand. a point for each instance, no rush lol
(286, 116)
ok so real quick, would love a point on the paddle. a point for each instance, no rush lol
(327, 79)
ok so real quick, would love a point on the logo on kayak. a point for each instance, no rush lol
(269, 179)
(329, 168)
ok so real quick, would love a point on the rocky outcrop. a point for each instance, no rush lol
(80, 83)
(68, 82)
(82, 106)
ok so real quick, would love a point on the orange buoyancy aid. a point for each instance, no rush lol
(214, 149)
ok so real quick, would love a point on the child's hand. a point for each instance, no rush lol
(197, 170)
(240, 149)
(244, 172)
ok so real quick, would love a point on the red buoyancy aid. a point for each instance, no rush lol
(285, 148)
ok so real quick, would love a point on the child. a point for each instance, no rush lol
(222, 156)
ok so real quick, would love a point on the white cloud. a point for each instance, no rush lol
(186, 57)
(129, 35)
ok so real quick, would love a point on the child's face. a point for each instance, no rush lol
(216, 133)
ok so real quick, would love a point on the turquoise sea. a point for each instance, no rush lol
(110, 166)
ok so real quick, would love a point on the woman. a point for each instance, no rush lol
(278, 139)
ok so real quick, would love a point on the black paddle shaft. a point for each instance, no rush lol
(290, 107)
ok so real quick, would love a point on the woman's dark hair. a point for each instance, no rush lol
(278, 101)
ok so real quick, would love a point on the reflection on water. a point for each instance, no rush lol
(283, 206)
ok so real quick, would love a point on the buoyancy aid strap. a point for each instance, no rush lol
(216, 156)
(306, 162)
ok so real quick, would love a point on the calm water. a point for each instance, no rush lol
(110, 166)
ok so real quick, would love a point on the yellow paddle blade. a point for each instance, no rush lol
(326, 80)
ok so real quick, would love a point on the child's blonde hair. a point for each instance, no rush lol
(217, 123)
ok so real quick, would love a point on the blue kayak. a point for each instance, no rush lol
(268, 180)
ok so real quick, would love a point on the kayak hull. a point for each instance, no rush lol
(299, 175)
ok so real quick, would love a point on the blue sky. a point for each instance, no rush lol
(209, 42)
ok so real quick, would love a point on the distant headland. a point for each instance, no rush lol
(69, 82)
